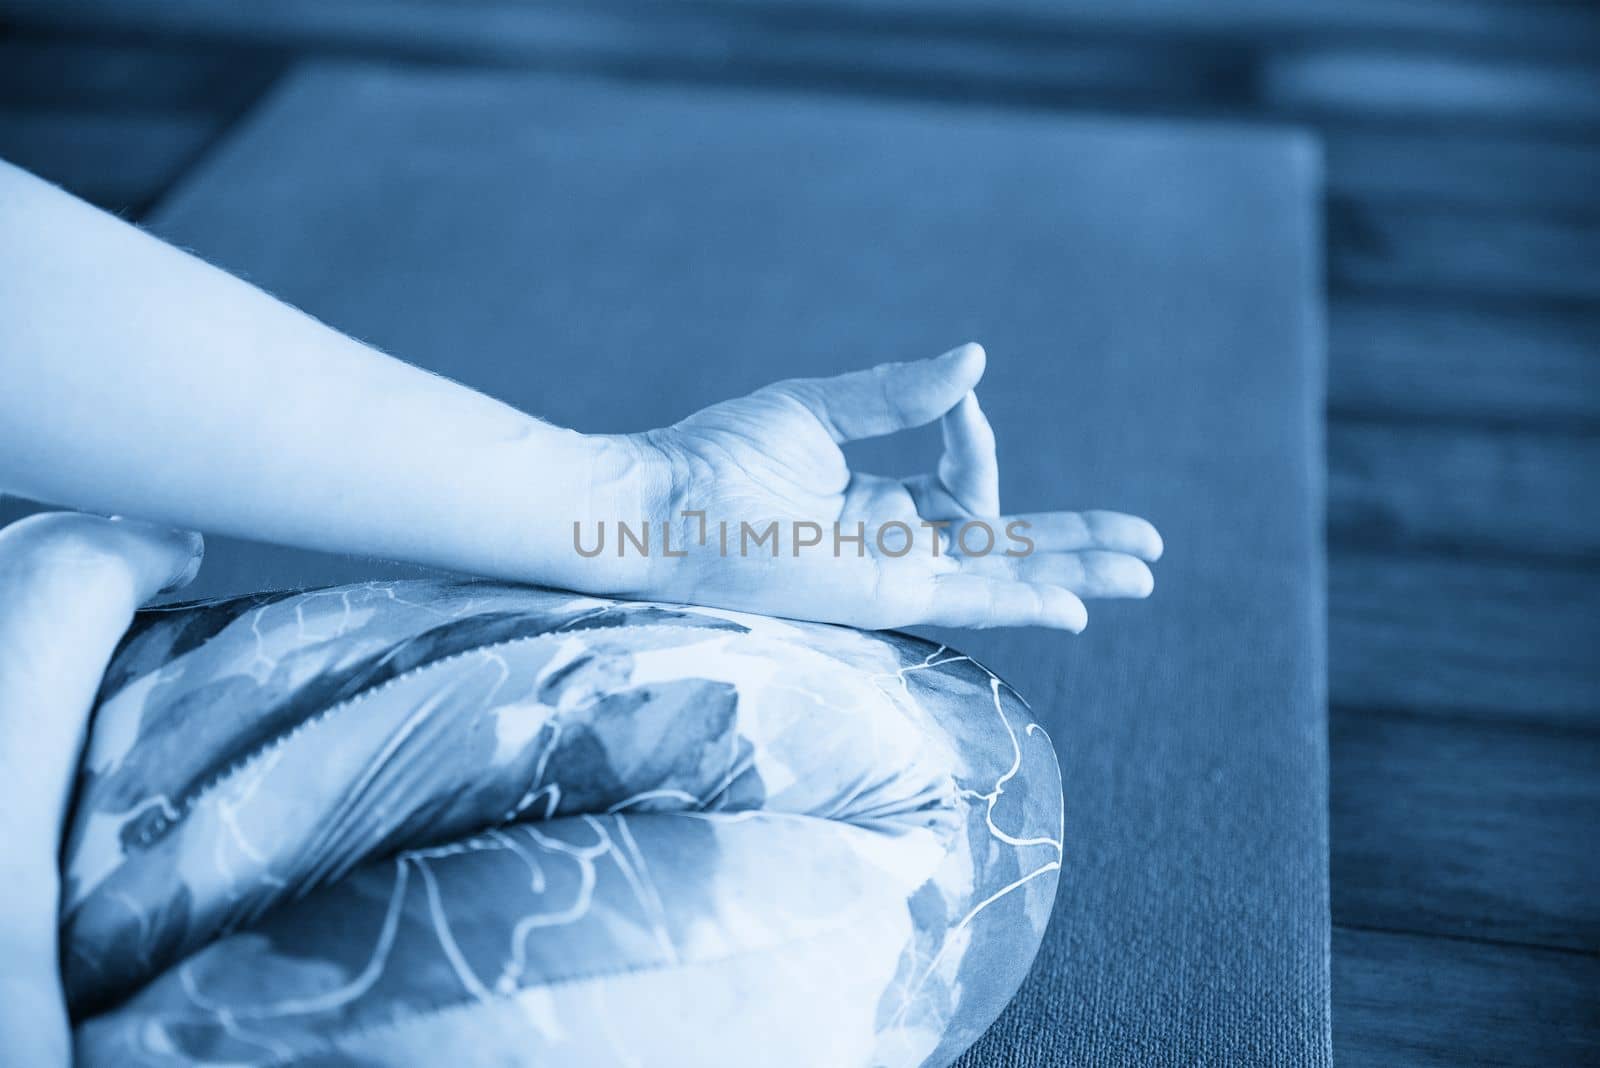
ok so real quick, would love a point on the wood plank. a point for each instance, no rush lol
(1410, 247)
(1408, 358)
(1496, 169)
(1460, 87)
(1091, 49)
(690, 40)
(1542, 29)
(1507, 641)
(1465, 829)
(1464, 488)
(120, 162)
(51, 73)
(1405, 999)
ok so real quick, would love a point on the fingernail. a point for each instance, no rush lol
(1157, 546)
(1074, 615)
(197, 553)
(1147, 580)
(968, 359)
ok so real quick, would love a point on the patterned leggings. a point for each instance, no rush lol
(462, 824)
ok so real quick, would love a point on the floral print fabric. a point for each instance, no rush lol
(459, 823)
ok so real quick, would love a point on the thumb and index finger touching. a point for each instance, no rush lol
(892, 397)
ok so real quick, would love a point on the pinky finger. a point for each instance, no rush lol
(981, 601)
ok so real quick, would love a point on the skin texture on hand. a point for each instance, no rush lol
(69, 585)
(775, 456)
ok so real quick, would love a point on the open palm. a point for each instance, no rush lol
(774, 457)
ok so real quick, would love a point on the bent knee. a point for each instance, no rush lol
(924, 738)
(402, 714)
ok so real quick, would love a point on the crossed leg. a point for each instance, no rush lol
(474, 824)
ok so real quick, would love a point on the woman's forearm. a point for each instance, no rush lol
(137, 379)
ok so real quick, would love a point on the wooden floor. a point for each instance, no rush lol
(1463, 212)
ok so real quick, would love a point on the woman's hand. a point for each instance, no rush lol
(772, 457)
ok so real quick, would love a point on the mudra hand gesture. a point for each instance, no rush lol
(768, 516)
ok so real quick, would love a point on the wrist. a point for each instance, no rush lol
(618, 477)
(582, 481)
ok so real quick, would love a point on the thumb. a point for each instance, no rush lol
(94, 553)
(163, 560)
(891, 396)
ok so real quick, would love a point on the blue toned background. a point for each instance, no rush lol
(1461, 144)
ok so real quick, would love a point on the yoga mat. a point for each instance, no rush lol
(613, 255)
